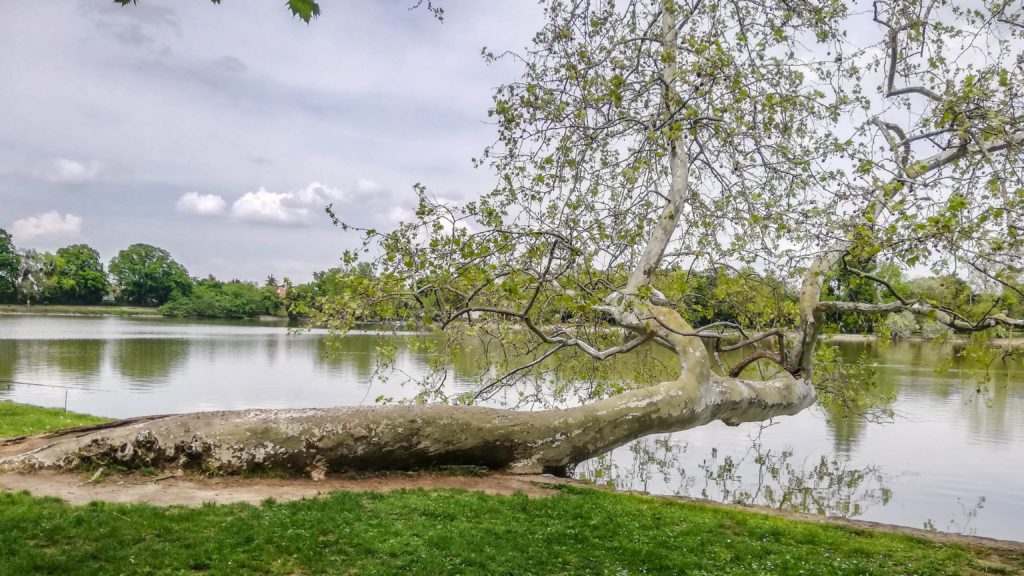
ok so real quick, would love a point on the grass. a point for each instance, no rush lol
(22, 420)
(64, 310)
(578, 531)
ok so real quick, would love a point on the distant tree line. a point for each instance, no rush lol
(72, 275)
(724, 296)
(212, 298)
(144, 275)
(139, 275)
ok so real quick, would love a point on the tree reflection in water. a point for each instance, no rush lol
(150, 362)
(829, 486)
(961, 522)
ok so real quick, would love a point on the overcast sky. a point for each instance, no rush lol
(221, 132)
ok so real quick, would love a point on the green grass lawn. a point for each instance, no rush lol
(22, 420)
(579, 531)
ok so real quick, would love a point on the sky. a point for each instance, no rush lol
(220, 132)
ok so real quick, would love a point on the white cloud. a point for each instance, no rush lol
(367, 186)
(201, 204)
(48, 226)
(399, 214)
(64, 171)
(295, 208)
(264, 206)
(317, 194)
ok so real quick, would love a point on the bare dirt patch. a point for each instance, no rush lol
(194, 490)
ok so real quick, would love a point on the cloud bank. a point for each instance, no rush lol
(66, 171)
(198, 204)
(295, 208)
(300, 207)
(49, 226)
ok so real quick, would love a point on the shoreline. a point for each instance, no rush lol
(154, 312)
(114, 312)
(191, 490)
(931, 535)
(72, 310)
(155, 501)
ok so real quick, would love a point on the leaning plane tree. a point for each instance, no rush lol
(794, 137)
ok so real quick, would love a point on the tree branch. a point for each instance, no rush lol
(881, 281)
(936, 313)
(754, 357)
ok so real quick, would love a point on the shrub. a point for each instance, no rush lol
(215, 299)
(900, 325)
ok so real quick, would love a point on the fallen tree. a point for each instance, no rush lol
(641, 137)
(316, 441)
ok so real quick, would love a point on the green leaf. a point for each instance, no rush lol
(304, 9)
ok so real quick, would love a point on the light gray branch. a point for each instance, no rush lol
(927, 310)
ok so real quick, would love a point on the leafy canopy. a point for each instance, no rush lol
(76, 276)
(145, 275)
(10, 266)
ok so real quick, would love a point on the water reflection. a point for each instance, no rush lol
(352, 354)
(987, 391)
(830, 486)
(761, 476)
(845, 429)
(65, 362)
(962, 522)
(8, 354)
(149, 362)
(76, 357)
(272, 350)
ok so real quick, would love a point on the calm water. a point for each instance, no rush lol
(952, 459)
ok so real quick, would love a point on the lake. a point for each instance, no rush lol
(952, 458)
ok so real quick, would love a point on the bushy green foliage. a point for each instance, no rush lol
(10, 265)
(844, 284)
(33, 276)
(932, 329)
(726, 295)
(961, 298)
(212, 298)
(145, 275)
(75, 276)
(345, 295)
(951, 291)
(902, 325)
(850, 386)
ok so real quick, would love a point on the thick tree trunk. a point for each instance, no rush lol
(315, 441)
